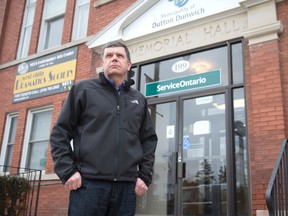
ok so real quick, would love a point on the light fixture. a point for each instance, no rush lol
(200, 67)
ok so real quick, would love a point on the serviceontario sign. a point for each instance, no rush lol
(180, 84)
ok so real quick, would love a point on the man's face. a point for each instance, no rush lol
(115, 62)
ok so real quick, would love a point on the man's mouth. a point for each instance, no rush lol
(114, 66)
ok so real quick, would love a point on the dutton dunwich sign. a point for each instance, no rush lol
(169, 13)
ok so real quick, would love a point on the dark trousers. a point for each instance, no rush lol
(103, 198)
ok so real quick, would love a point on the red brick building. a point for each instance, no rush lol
(214, 74)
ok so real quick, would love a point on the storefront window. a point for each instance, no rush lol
(237, 63)
(206, 160)
(240, 146)
(187, 66)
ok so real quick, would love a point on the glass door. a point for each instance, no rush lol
(160, 198)
(203, 157)
(190, 165)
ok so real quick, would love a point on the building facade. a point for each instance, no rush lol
(214, 74)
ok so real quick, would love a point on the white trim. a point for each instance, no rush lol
(113, 30)
(47, 177)
(264, 33)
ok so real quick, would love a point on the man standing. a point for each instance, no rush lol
(114, 141)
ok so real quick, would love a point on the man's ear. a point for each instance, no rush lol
(129, 66)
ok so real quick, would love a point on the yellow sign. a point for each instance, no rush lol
(48, 75)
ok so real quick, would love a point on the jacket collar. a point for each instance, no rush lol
(104, 81)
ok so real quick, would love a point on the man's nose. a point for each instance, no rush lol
(115, 58)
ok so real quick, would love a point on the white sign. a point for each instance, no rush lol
(165, 14)
(201, 127)
(180, 66)
(170, 131)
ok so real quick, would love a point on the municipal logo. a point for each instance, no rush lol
(179, 3)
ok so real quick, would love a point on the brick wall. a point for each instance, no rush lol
(266, 126)
(266, 82)
(282, 10)
(266, 92)
(53, 198)
(11, 31)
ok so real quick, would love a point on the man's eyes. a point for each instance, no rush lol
(111, 55)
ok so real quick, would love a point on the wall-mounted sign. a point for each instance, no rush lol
(169, 13)
(207, 79)
(180, 66)
(44, 76)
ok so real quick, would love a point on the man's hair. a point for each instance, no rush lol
(116, 44)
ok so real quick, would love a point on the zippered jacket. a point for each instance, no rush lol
(112, 134)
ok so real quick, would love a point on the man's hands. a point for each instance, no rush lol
(140, 188)
(74, 182)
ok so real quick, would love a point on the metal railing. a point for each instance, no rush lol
(277, 190)
(19, 190)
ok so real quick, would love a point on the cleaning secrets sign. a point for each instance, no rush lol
(45, 76)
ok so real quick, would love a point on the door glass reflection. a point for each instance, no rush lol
(204, 185)
(160, 197)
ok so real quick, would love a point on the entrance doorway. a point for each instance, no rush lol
(201, 166)
(190, 167)
(203, 179)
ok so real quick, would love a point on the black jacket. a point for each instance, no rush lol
(113, 136)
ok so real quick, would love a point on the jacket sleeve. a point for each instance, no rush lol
(61, 135)
(148, 140)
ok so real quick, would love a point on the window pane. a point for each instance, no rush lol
(159, 199)
(54, 32)
(237, 63)
(37, 155)
(196, 63)
(81, 19)
(10, 142)
(241, 158)
(30, 15)
(26, 41)
(8, 158)
(41, 126)
(12, 130)
(38, 143)
(25, 38)
(134, 76)
(52, 24)
(55, 7)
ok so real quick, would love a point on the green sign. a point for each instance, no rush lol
(207, 79)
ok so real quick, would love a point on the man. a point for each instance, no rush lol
(114, 141)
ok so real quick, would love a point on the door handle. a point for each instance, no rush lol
(181, 169)
(174, 167)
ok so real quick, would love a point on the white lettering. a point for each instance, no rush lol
(181, 84)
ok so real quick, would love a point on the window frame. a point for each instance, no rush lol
(49, 23)
(76, 24)
(28, 128)
(23, 42)
(5, 143)
(46, 18)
